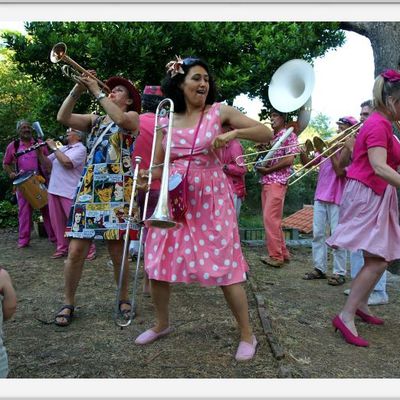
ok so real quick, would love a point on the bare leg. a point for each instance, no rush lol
(77, 252)
(160, 293)
(115, 250)
(236, 298)
(362, 287)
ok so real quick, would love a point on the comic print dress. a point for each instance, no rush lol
(103, 194)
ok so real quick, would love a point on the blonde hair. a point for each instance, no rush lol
(382, 90)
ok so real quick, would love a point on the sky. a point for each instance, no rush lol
(343, 79)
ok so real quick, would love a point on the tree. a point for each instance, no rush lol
(384, 38)
(243, 55)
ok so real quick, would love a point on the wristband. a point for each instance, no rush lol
(100, 96)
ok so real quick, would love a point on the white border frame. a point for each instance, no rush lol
(181, 10)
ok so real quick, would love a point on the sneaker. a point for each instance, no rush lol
(377, 298)
(346, 292)
(110, 264)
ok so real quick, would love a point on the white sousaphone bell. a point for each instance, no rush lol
(291, 85)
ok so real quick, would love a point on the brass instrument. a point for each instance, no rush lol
(129, 222)
(290, 90)
(326, 149)
(59, 53)
(307, 146)
(161, 216)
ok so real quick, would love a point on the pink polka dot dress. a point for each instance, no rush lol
(205, 247)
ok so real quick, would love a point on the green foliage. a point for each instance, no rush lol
(243, 57)
(8, 215)
(320, 123)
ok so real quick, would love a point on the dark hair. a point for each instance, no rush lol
(366, 103)
(275, 111)
(170, 85)
(150, 102)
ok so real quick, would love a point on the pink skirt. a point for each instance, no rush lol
(368, 221)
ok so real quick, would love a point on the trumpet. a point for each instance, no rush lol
(326, 150)
(59, 53)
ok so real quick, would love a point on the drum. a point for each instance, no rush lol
(32, 188)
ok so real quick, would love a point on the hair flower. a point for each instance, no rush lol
(174, 67)
(391, 75)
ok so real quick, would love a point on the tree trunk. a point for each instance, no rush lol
(384, 38)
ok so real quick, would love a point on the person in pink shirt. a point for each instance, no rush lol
(66, 166)
(13, 166)
(328, 195)
(234, 172)
(369, 214)
(274, 177)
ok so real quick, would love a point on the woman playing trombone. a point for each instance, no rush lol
(205, 248)
(109, 142)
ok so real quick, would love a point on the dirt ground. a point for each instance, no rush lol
(205, 337)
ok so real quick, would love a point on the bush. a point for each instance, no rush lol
(8, 215)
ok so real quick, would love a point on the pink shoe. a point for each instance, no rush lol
(90, 256)
(369, 319)
(58, 255)
(150, 336)
(348, 336)
(246, 350)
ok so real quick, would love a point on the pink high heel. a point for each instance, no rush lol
(348, 336)
(369, 319)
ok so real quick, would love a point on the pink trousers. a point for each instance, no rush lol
(59, 208)
(272, 199)
(25, 221)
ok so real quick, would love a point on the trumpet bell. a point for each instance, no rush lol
(291, 85)
(58, 52)
(319, 144)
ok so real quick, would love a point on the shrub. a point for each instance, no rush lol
(8, 214)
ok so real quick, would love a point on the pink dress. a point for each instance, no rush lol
(205, 248)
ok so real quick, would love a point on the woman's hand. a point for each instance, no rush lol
(142, 179)
(88, 82)
(223, 139)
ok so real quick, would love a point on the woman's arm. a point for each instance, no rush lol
(81, 122)
(244, 128)
(378, 159)
(128, 120)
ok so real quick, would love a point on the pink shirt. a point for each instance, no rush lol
(144, 143)
(64, 181)
(26, 162)
(329, 186)
(376, 132)
(282, 175)
(234, 172)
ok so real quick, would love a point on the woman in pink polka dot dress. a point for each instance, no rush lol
(205, 247)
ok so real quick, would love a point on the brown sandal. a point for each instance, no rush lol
(336, 280)
(314, 274)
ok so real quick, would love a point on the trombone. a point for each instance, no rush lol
(326, 149)
(161, 216)
(129, 222)
(307, 145)
(59, 53)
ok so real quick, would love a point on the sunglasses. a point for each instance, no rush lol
(189, 61)
(364, 114)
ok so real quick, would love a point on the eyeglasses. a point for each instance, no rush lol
(364, 114)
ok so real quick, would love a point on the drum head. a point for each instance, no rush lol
(23, 177)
